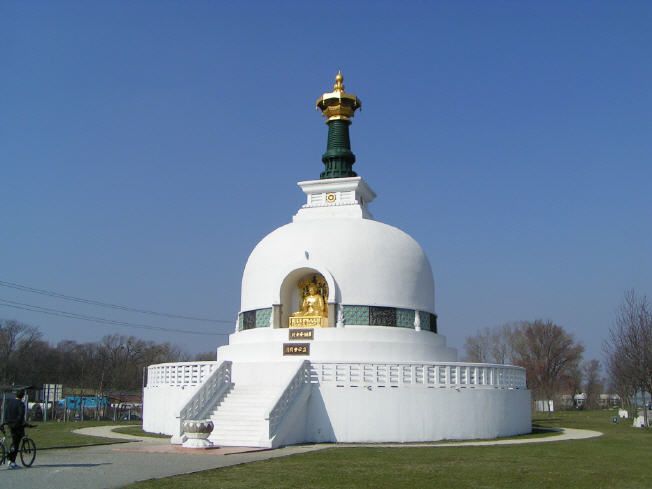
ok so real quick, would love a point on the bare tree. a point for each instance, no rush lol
(593, 385)
(549, 354)
(16, 341)
(477, 348)
(629, 348)
(204, 356)
(573, 381)
(491, 345)
(502, 343)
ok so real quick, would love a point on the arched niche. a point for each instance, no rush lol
(289, 298)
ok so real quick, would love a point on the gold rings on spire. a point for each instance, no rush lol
(338, 105)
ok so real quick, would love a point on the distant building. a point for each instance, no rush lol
(578, 401)
(606, 401)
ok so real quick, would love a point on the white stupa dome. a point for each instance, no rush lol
(365, 262)
(376, 274)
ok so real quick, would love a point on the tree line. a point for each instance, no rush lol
(115, 363)
(553, 358)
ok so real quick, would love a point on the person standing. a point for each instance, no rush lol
(15, 419)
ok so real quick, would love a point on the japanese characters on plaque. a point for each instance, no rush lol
(307, 322)
(301, 334)
(296, 349)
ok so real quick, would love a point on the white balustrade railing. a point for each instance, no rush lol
(209, 395)
(435, 374)
(180, 374)
(286, 399)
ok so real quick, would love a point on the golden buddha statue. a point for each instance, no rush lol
(314, 311)
(313, 304)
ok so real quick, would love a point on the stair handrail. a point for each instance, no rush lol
(208, 396)
(282, 404)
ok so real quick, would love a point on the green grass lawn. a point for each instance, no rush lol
(59, 435)
(619, 459)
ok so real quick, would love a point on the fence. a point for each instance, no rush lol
(432, 374)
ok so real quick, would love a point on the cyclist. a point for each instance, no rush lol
(15, 419)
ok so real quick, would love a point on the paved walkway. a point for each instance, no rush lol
(563, 435)
(109, 466)
(107, 432)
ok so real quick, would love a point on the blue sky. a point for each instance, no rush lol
(146, 147)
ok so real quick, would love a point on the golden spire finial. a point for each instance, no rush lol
(338, 104)
(339, 82)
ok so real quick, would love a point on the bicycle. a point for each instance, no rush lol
(26, 448)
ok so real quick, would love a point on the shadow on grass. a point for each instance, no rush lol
(538, 431)
(108, 441)
(49, 466)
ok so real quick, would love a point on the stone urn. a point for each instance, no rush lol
(197, 432)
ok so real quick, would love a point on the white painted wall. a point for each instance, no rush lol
(161, 406)
(408, 414)
(349, 344)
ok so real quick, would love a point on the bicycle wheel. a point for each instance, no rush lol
(27, 451)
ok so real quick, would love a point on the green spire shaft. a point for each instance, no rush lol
(338, 157)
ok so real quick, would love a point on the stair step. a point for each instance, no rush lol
(229, 410)
(228, 417)
(243, 406)
(243, 391)
(239, 443)
(249, 435)
(239, 413)
(238, 422)
(251, 395)
(236, 437)
(220, 425)
(256, 388)
(247, 402)
(237, 410)
(223, 418)
(251, 392)
(235, 392)
(257, 395)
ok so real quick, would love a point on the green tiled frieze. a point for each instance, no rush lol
(356, 315)
(428, 321)
(387, 316)
(382, 316)
(405, 318)
(258, 318)
(262, 317)
(249, 320)
(424, 320)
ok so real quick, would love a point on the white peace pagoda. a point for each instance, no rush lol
(336, 339)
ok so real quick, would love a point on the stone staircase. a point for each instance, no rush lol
(240, 418)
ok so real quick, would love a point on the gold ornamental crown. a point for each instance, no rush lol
(338, 105)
